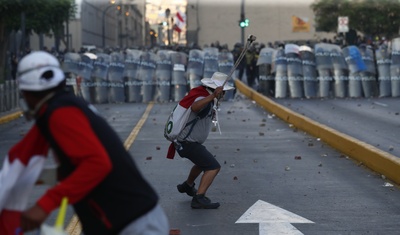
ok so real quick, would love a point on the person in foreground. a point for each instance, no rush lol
(191, 139)
(95, 172)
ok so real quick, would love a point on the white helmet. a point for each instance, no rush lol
(39, 71)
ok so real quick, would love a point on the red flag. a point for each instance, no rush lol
(180, 21)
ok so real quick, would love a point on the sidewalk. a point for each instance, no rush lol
(10, 115)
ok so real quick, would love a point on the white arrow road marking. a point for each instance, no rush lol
(278, 228)
(273, 220)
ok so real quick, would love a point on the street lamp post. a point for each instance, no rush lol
(104, 25)
(242, 18)
(167, 14)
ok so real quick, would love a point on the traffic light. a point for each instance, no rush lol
(244, 23)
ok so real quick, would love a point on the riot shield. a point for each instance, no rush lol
(70, 67)
(279, 67)
(294, 70)
(163, 74)
(340, 72)
(324, 65)
(116, 78)
(195, 67)
(309, 71)
(355, 65)
(99, 77)
(178, 79)
(266, 79)
(147, 73)
(383, 63)
(210, 61)
(225, 65)
(133, 84)
(368, 77)
(85, 73)
(395, 67)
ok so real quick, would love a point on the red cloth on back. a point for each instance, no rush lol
(171, 151)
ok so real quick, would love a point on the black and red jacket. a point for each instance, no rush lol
(96, 172)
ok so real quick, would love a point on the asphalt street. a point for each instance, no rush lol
(274, 179)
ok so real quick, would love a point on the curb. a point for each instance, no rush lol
(374, 158)
(10, 117)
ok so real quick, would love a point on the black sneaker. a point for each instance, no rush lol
(185, 188)
(202, 202)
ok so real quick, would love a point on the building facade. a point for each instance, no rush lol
(116, 24)
(269, 20)
(101, 23)
(135, 23)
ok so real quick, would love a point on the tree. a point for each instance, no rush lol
(7, 8)
(369, 17)
(42, 16)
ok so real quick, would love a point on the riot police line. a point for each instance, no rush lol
(321, 71)
(329, 71)
(324, 71)
(142, 76)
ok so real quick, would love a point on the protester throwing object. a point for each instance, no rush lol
(188, 127)
(194, 116)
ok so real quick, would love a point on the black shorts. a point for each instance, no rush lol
(199, 155)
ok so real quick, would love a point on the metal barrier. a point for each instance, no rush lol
(9, 96)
